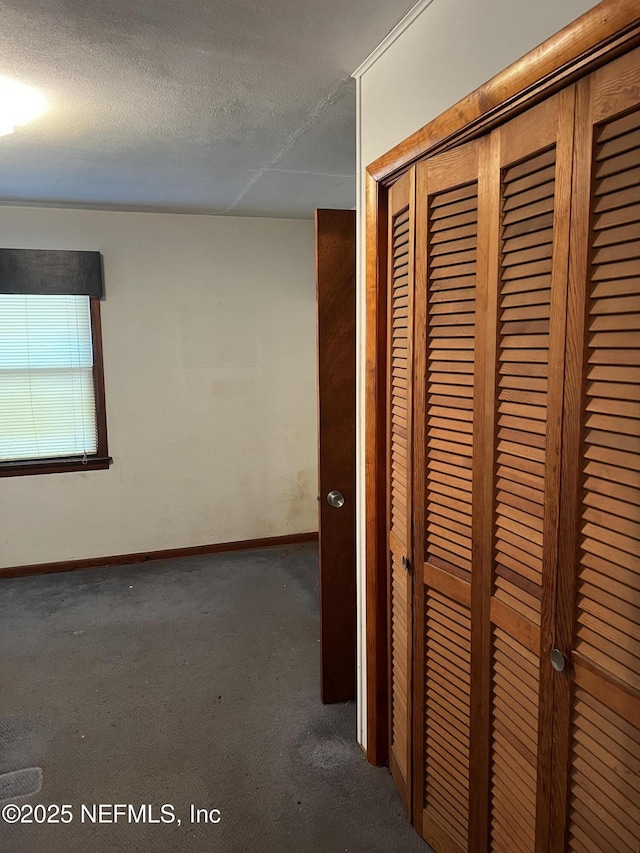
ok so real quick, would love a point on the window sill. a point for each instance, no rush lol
(54, 466)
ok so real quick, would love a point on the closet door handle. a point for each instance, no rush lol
(335, 499)
(558, 660)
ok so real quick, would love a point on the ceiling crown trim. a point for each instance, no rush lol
(402, 25)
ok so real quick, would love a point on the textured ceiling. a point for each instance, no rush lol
(241, 107)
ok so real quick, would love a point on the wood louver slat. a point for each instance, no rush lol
(604, 806)
(528, 191)
(400, 625)
(399, 295)
(444, 364)
(514, 737)
(524, 332)
(514, 476)
(400, 302)
(447, 711)
(597, 750)
(451, 301)
(609, 570)
(608, 615)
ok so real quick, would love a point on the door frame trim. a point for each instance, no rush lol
(608, 30)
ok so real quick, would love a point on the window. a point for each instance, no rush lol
(52, 415)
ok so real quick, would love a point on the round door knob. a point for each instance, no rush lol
(335, 498)
(558, 661)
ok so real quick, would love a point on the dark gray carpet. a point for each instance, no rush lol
(184, 682)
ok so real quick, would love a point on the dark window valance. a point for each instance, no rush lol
(48, 271)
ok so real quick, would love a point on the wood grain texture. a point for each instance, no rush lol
(454, 588)
(607, 688)
(399, 675)
(523, 631)
(609, 30)
(514, 744)
(484, 463)
(451, 228)
(604, 807)
(419, 497)
(399, 475)
(441, 840)
(602, 611)
(535, 197)
(597, 701)
(571, 440)
(608, 614)
(551, 568)
(446, 680)
(611, 27)
(336, 335)
(443, 450)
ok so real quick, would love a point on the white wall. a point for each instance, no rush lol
(441, 52)
(209, 360)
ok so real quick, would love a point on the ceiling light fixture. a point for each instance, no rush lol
(19, 104)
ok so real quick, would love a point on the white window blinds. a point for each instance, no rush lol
(47, 401)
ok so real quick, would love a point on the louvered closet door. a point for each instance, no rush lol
(446, 269)
(400, 325)
(528, 183)
(598, 788)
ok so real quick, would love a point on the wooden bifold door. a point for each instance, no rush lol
(513, 412)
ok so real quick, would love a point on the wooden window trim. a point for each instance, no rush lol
(608, 30)
(101, 459)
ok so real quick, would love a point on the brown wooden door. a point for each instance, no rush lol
(446, 273)
(399, 418)
(597, 731)
(522, 337)
(335, 283)
(514, 448)
(487, 448)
